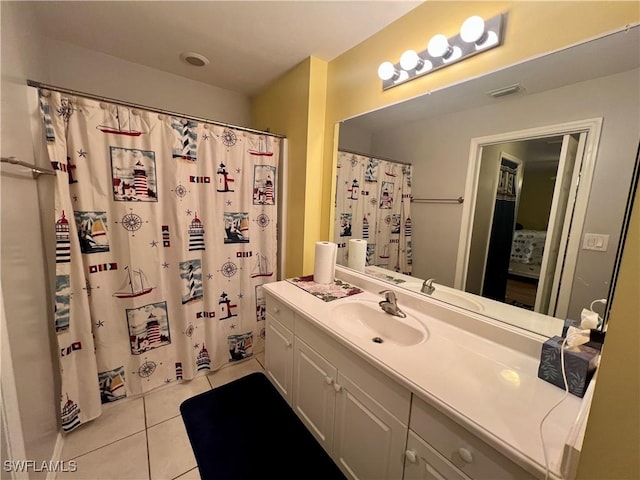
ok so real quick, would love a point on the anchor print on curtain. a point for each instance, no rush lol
(165, 233)
(373, 199)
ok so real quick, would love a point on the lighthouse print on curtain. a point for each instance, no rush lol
(165, 233)
(373, 200)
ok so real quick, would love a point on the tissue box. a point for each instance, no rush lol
(580, 363)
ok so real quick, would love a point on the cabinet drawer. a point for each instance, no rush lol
(464, 450)
(279, 311)
(422, 462)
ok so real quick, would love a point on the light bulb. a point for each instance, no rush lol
(386, 71)
(439, 46)
(472, 29)
(409, 60)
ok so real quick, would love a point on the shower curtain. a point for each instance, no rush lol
(373, 199)
(165, 234)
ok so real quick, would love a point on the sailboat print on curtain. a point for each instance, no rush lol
(118, 128)
(236, 227)
(240, 346)
(263, 149)
(262, 267)
(134, 285)
(112, 385)
(92, 231)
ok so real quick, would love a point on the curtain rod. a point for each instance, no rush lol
(33, 83)
(373, 156)
(36, 171)
(437, 200)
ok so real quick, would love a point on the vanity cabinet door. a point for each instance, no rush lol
(279, 357)
(368, 441)
(314, 394)
(422, 462)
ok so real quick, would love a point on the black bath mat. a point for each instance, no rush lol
(245, 430)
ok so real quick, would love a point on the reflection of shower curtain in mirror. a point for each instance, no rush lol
(373, 199)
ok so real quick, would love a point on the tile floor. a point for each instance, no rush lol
(145, 438)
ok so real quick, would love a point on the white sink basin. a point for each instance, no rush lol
(365, 319)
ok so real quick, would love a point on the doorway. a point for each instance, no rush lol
(516, 245)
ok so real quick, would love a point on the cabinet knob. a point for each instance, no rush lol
(329, 380)
(465, 454)
(411, 456)
(276, 310)
(337, 387)
(288, 344)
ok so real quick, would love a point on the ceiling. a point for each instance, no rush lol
(249, 43)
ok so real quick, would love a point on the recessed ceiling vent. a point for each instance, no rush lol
(195, 59)
(501, 92)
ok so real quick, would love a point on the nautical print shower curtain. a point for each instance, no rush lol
(165, 234)
(373, 199)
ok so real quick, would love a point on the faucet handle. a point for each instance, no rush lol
(389, 295)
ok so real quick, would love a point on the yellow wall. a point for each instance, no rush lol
(611, 448)
(294, 105)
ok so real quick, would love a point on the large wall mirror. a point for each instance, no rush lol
(510, 204)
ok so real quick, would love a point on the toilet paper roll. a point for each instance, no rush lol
(324, 266)
(357, 254)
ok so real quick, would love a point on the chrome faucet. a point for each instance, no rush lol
(427, 286)
(390, 304)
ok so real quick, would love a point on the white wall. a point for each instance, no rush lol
(92, 72)
(28, 204)
(27, 301)
(439, 150)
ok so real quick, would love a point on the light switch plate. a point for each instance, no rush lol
(595, 241)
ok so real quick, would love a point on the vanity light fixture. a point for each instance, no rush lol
(476, 35)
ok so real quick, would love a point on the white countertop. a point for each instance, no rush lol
(489, 388)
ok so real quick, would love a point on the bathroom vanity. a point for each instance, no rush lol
(440, 394)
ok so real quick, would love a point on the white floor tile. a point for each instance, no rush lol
(233, 372)
(190, 475)
(170, 453)
(165, 403)
(125, 459)
(118, 420)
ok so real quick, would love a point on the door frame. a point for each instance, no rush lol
(593, 128)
